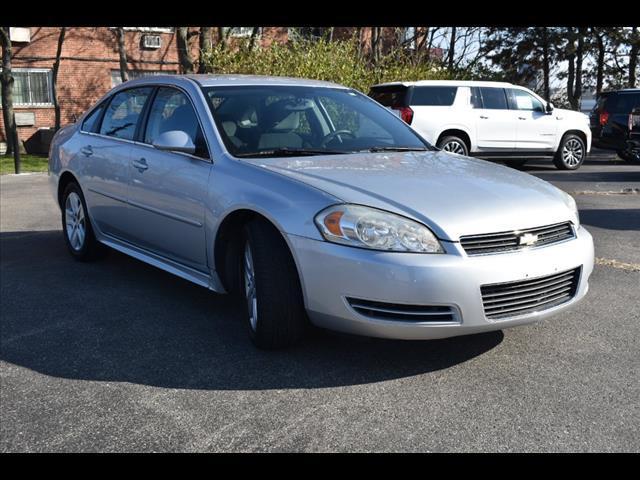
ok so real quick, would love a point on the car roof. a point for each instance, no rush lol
(229, 80)
(206, 80)
(447, 83)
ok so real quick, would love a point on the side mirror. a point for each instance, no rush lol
(175, 141)
(549, 107)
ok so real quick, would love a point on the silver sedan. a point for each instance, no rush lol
(314, 205)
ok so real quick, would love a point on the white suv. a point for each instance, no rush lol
(489, 120)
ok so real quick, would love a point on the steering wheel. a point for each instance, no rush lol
(333, 135)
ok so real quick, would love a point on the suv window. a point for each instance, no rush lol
(390, 96)
(476, 98)
(172, 110)
(522, 100)
(494, 98)
(433, 95)
(624, 102)
(90, 123)
(122, 115)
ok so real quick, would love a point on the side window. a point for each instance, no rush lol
(91, 121)
(521, 100)
(172, 110)
(123, 113)
(440, 96)
(493, 98)
(476, 99)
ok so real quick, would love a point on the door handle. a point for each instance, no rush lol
(483, 117)
(140, 165)
(522, 118)
(87, 151)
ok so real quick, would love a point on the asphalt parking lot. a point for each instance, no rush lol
(119, 356)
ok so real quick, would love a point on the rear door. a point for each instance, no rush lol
(535, 129)
(494, 122)
(168, 190)
(107, 139)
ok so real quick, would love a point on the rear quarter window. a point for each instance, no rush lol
(625, 102)
(395, 96)
(435, 96)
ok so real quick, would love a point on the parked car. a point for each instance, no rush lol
(633, 143)
(491, 120)
(315, 205)
(610, 120)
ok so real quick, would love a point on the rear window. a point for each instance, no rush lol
(493, 98)
(624, 102)
(393, 96)
(433, 95)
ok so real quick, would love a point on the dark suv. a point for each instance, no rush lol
(610, 120)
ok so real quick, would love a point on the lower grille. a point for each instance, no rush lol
(511, 299)
(506, 241)
(404, 313)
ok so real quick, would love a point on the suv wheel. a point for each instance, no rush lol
(571, 153)
(453, 145)
(273, 304)
(629, 156)
(76, 226)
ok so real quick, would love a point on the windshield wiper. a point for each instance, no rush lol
(395, 149)
(290, 152)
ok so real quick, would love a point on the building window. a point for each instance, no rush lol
(32, 87)
(117, 80)
(241, 31)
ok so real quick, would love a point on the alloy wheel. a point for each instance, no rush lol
(75, 221)
(454, 146)
(250, 288)
(572, 152)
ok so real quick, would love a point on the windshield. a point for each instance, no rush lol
(257, 121)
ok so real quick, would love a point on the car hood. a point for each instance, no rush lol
(451, 194)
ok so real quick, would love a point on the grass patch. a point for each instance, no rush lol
(28, 163)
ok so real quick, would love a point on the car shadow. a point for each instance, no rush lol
(611, 219)
(120, 320)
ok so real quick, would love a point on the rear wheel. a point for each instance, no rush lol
(273, 303)
(571, 153)
(76, 227)
(629, 156)
(453, 144)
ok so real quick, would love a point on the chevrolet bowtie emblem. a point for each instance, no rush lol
(527, 239)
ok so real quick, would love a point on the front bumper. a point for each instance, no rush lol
(330, 273)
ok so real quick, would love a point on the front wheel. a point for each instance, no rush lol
(274, 307)
(571, 153)
(453, 144)
(631, 156)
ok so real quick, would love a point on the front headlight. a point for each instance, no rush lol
(368, 227)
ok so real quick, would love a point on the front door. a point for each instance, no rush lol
(168, 190)
(535, 129)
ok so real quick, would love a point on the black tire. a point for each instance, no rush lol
(89, 248)
(516, 162)
(568, 141)
(453, 144)
(628, 156)
(281, 319)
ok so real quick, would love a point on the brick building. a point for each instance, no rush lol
(90, 66)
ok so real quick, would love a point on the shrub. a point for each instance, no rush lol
(336, 61)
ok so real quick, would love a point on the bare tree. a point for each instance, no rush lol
(254, 35)
(184, 52)
(6, 79)
(54, 77)
(634, 40)
(205, 45)
(452, 47)
(122, 54)
(376, 35)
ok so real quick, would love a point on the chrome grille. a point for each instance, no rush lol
(401, 312)
(508, 241)
(511, 299)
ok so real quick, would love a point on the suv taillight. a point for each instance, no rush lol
(604, 116)
(406, 114)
